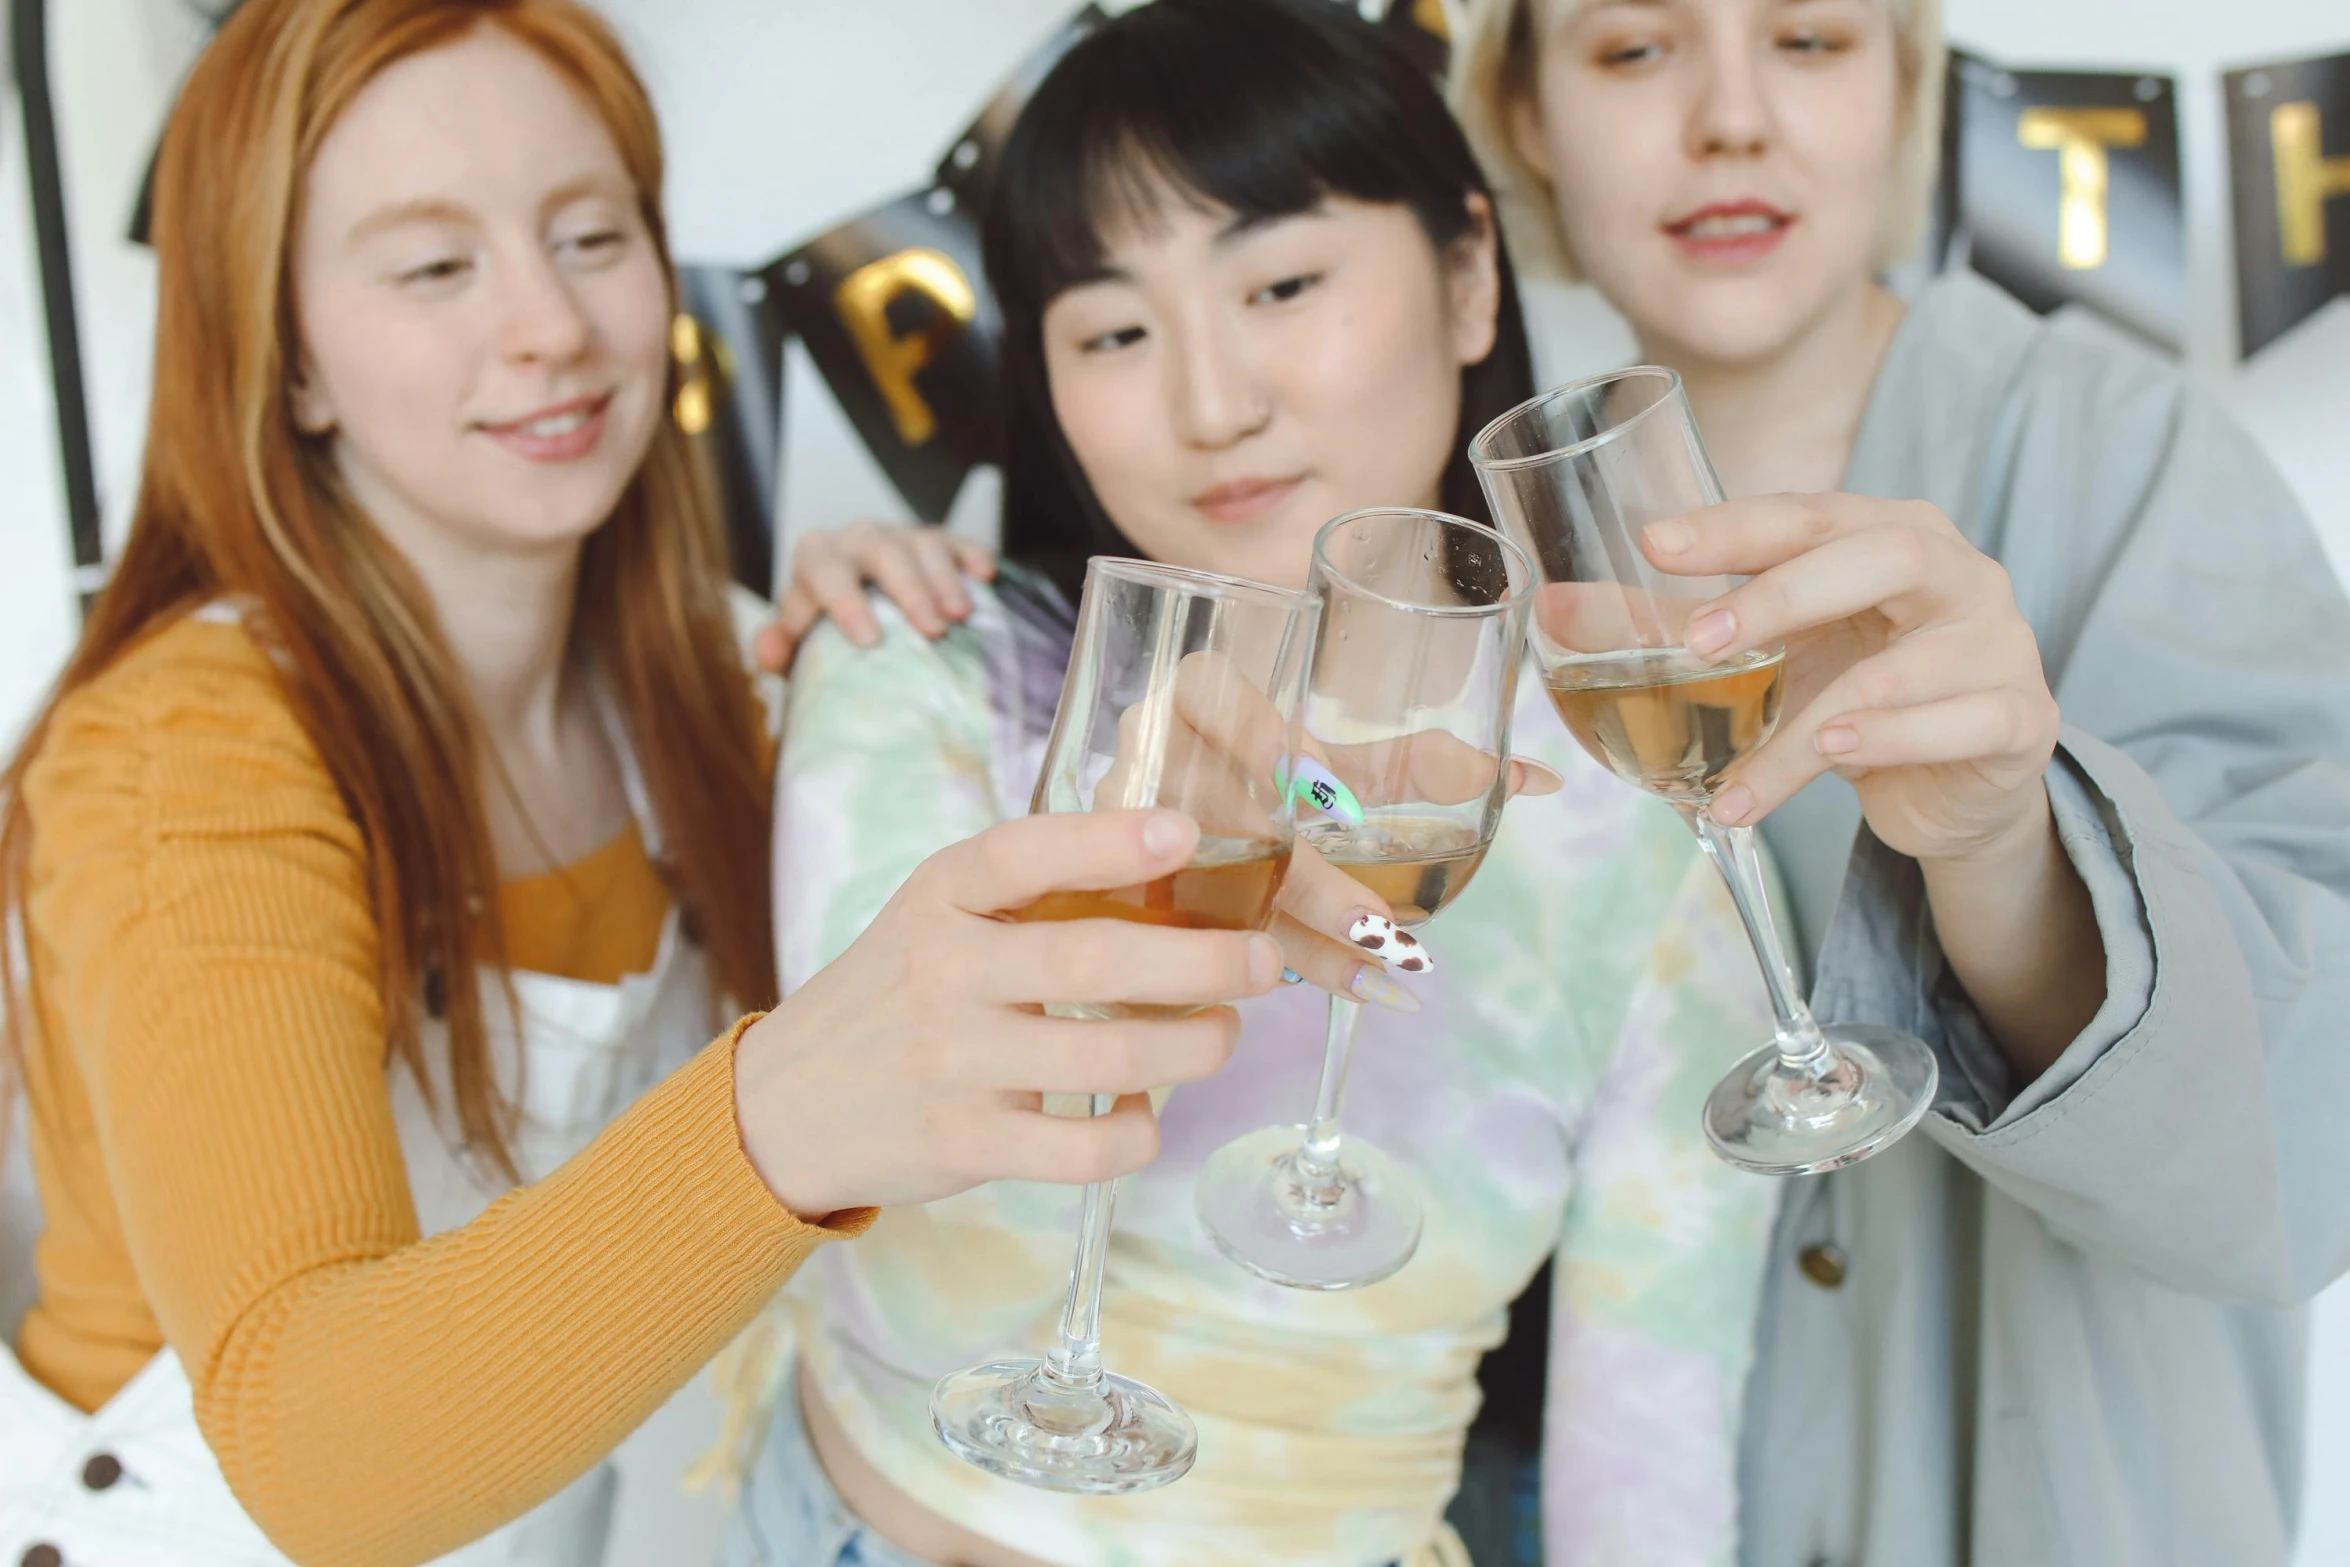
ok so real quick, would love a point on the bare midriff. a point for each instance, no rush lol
(888, 1511)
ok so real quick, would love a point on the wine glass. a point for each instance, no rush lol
(1423, 630)
(1183, 691)
(1575, 475)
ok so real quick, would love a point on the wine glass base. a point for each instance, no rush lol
(1259, 1215)
(1013, 1418)
(1881, 1082)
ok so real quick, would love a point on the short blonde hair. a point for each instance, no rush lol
(1494, 43)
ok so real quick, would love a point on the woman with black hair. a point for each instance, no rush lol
(1251, 279)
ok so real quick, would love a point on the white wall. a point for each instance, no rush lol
(786, 115)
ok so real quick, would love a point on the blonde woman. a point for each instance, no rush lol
(2073, 657)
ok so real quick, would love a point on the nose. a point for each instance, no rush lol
(1218, 394)
(539, 319)
(1731, 117)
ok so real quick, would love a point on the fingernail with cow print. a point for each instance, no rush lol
(1390, 943)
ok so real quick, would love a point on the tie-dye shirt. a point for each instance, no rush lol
(1593, 982)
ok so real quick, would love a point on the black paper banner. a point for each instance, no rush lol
(2068, 191)
(896, 316)
(969, 166)
(2289, 164)
(727, 341)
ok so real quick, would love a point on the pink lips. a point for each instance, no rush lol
(577, 426)
(1731, 233)
(1244, 500)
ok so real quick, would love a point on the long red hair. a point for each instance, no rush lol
(235, 501)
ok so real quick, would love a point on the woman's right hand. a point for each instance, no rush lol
(1215, 742)
(921, 569)
(914, 1065)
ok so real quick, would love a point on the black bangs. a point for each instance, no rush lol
(1260, 108)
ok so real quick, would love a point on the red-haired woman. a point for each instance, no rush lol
(398, 831)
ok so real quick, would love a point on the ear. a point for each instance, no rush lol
(1473, 283)
(1522, 119)
(313, 410)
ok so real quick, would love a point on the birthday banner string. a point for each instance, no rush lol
(2061, 186)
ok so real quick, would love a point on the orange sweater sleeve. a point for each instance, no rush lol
(202, 940)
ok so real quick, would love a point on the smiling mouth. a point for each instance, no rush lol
(552, 424)
(1731, 231)
(555, 434)
(1244, 500)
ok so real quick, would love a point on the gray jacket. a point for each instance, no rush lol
(2069, 1331)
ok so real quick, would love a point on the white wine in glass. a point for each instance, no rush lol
(1664, 720)
(1415, 865)
(1575, 475)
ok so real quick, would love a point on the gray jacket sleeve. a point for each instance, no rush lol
(2199, 646)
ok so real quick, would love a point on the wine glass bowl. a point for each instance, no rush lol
(1576, 475)
(1664, 720)
(1183, 690)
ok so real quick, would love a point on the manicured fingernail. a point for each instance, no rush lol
(1166, 833)
(1319, 787)
(1837, 740)
(1264, 962)
(1711, 633)
(1290, 976)
(1669, 538)
(1390, 943)
(1732, 804)
(1371, 984)
(865, 636)
(1536, 777)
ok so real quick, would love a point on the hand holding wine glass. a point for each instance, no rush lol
(1578, 475)
(1912, 672)
(914, 1065)
(1226, 734)
(1183, 691)
(1909, 667)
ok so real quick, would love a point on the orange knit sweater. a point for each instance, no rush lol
(214, 1145)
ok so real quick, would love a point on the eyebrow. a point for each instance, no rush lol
(434, 209)
(424, 209)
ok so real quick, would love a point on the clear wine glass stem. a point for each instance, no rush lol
(1317, 1157)
(1075, 1360)
(1803, 1049)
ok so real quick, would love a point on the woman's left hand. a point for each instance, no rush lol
(1909, 668)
